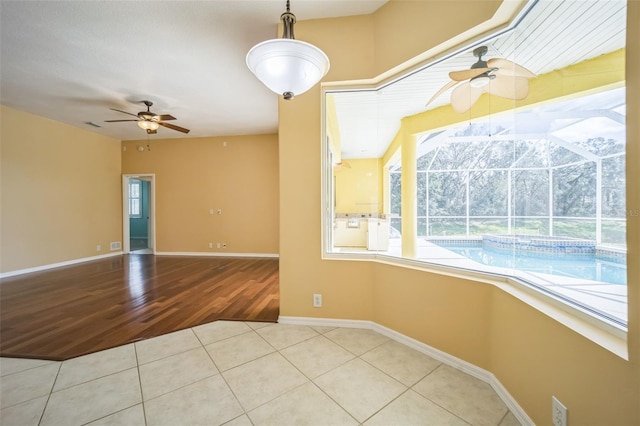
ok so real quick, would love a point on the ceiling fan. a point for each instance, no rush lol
(496, 76)
(150, 121)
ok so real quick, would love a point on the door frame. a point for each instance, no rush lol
(126, 231)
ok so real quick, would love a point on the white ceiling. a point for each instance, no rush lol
(551, 35)
(71, 61)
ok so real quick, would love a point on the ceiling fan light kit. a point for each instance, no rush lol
(150, 121)
(497, 77)
(479, 81)
(287, 66)
(148, 125)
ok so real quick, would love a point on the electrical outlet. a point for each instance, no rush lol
(558, 412)
(317, 300)
(98, 247)
(210, 245)
(219, 211)
(218, 245)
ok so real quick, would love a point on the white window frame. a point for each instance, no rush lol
(135, 198)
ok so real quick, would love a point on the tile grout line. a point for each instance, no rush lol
(165, 357)
(144, 411)
(309, 379)
(386, 405)
(331, 398)
(312, 380)
(244, 410)
(52, 391)
(442, 364)
(434, 402)
(49, 395)
(276, 351)
(504, 417)
(411, 388)
(408, 388)
(180, 387)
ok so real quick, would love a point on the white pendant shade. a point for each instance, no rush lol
(287, 66)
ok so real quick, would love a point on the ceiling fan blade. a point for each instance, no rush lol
(464, 96)
(463, 75)
(166, 117)
(446, 87)
(124, 112)
(508, 87)
(174, 127)
(117, 121)
(506, 67)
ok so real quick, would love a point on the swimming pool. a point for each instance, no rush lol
(585, 266)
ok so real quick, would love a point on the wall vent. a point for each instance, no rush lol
(115, 245)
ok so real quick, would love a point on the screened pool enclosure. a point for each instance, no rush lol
(556, 170)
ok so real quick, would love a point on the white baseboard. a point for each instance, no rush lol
(462, 365)
(215, 254)
(326, 322)
(57, 265)
(118, 253)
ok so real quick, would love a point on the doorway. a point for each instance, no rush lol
(138, 215)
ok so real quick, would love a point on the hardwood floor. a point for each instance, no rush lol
(71, 311)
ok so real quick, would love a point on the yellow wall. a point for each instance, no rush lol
(345, 285)
(633, 177)
(198, 174)
(359, 188)
(447, 313)
(60, 192)
(405, 29)
(533, 355)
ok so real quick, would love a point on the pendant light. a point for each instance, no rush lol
(285, 65)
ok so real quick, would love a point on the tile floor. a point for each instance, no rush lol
(242, 373)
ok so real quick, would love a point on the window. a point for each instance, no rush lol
(545, 205)
(533, 190)
(134, 198)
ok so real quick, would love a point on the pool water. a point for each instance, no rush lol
(576, 266)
